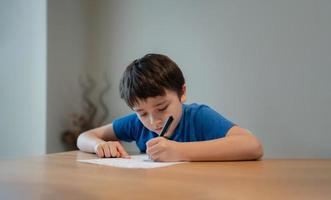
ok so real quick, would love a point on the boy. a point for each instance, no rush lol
(154, 88)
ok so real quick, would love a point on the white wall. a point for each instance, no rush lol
(22, 77)
(263, 64)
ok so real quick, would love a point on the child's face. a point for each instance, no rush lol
(154, 111)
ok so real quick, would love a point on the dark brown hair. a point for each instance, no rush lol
(149, 76)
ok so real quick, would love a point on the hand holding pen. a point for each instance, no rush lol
(162, 149)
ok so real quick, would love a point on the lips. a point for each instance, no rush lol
(158, 129)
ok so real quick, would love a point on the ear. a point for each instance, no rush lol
(183, 97)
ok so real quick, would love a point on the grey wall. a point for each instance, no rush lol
(44, 48)
(22, 78)
(262, 64)
(68, 57)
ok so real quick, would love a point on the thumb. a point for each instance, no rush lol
(153, 141)
(123, 153)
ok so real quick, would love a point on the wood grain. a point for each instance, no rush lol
(60, 176)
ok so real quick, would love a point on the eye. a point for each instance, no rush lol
(142, 114)
(163, 109)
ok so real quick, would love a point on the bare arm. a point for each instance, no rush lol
(103, 142)
(238, 144)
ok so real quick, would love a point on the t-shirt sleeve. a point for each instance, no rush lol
(212, 124)
(125, 128)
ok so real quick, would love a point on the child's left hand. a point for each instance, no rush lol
(161, 149)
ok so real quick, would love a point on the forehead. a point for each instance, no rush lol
(150, 102)
(154, 101)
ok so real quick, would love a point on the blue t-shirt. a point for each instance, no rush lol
(197, 123)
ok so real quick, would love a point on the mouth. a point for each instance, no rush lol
(158, 130)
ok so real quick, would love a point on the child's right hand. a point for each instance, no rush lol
(111, 149)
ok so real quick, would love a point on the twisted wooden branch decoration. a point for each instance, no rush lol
(102, 103)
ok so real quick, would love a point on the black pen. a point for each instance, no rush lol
(166, 126)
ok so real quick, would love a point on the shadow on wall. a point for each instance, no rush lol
(88, 119)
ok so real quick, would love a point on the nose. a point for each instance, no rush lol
(155, 121)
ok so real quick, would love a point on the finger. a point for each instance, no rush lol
(106, 150)
(113, 151)
(154, 151)
(161, 143)
(117, 153)
(156, 156)
(153, 141)
(122, 151)
(99, 151)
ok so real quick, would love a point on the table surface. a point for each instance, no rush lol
(60, 176)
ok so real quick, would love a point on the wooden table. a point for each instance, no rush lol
(60, 176)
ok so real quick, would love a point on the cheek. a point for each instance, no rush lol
(145, 122)
(175, 111)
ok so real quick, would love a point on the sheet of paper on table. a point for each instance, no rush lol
(136, 161)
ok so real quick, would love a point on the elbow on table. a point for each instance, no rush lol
(79, 142)
(256, 151)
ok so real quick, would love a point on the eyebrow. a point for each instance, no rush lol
(160, 103)
(156, 105)
(138, 110)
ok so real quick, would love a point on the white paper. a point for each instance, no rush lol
(136, 161)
